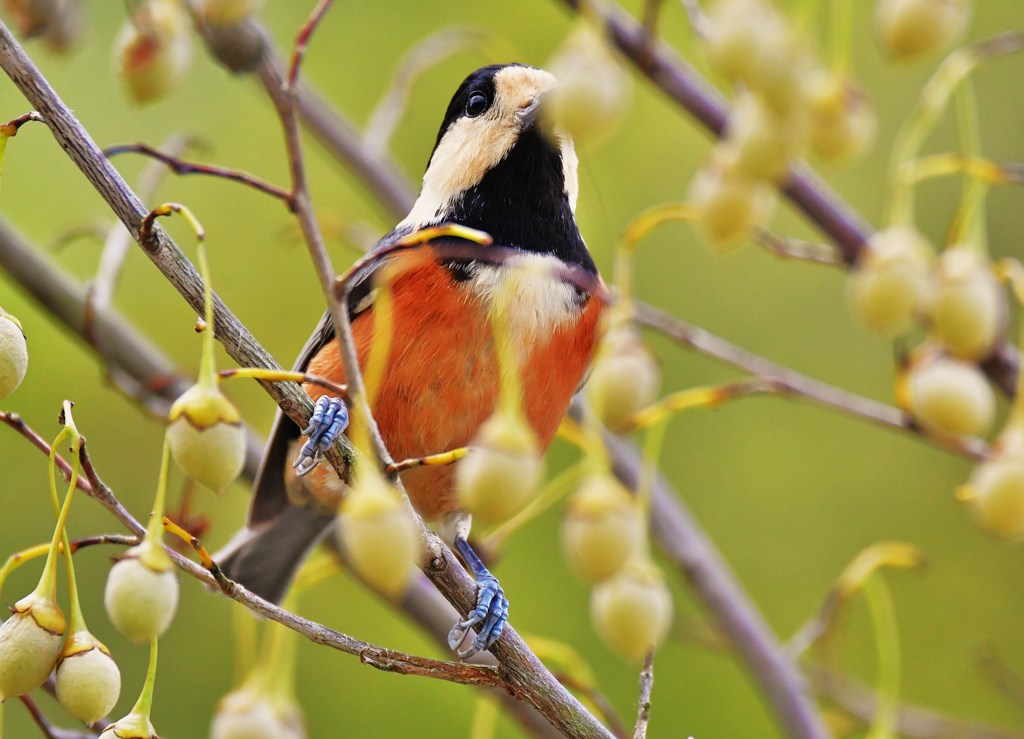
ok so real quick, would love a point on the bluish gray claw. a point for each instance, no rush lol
(329, 420)
(491, 613)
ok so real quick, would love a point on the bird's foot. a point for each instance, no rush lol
(329, 419)
(491, 612)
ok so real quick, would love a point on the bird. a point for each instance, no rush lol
(497, 166)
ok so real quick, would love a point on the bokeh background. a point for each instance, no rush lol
(789, 492)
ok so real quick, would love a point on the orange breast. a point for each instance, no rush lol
(441, 379)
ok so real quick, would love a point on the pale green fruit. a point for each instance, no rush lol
(153, 49)
(245, 714)
(212, 456)
(13, 354)
(996, 496)
(951, 397)
(593, 87)
(140, 600)
(28, 651)
(841, 118)
(501, 471)
(625, 378)
(88, 683)
(730, 203)
(968, 314)
(603, 528)
(891, 282)
(909, 28)
(632, 611)
(378, 534)
(759, 140)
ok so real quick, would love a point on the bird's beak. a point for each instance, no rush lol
(527, 115)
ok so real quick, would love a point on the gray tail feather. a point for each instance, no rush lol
(265, 559)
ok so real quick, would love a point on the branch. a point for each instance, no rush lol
(643, 716)
(783, 380)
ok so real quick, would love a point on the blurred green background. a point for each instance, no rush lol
(789, 493)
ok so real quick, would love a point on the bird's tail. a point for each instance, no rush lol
(265, 559)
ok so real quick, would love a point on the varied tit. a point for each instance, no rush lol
(494, 169)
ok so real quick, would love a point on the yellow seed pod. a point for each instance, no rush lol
(603, 528)
(995, 494)
(248, 714)
(730, 203)
(593, 88)
(891, 283)
(88, 680)
(625, 378)
(30, 642)
(206, 436)
(750, 42)
(632, 611)
(951, 397)
(502, 470)
(13, 354)
(153, 49)
(840, 116)
(378, 533)
(760, 141)
(141, 595)
(909, 28)
(968, 313)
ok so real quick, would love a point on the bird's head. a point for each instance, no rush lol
(493, 167)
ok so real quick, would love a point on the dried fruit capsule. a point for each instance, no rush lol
(625, 378)
(632, 611)
(247, 714)
(730, 203)
(13, 354)
(88, 681)
(153, 49)
(909, 28)
(890, 284)
(501, 471)
(227, 12)
(30, 642)
(968, 313)
(841, 118)
(951, 397)
(603, 528)
(378, 534)
(206, 436)
(593, 87)
(141, 595)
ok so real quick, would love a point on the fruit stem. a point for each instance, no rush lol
(154, 531)
(383, 331)
(883, 618)
(969, 223)
(510, 400)
(144, 704)
(47, 586)
(841, 12)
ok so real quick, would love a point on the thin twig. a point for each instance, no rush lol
(643, 711)
(49, 730)
(786, 381)
(789, 248)
(181, 167)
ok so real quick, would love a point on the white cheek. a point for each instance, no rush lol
(535, 302)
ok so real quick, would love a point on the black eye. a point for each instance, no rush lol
(477, 104)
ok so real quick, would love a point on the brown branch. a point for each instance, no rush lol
(181, 167)
(12, 126)
(643, 710)
(48, 729)
(783, 380)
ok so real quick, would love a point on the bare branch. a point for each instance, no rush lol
(643, 710)
(49, 730)
(786, 381)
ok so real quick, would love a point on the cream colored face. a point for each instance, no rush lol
(474, 145)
